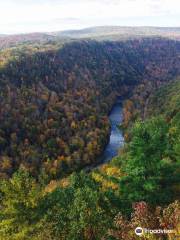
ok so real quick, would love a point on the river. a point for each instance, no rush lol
(116, 139)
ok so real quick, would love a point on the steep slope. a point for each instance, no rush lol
(138, 188)
(148, 166)
(54, 103)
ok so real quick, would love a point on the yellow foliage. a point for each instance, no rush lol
(106, 184)
(73, 125)
(61, 158)
(111, 171)
(97, 177)
(51, 186)
(63, 183)
(172, 130)
(6, 163)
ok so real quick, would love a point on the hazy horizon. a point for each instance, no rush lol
(27, 16)
(84, 28)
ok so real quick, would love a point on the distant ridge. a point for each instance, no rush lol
(11, 40)
(112, 33)
(118, 32)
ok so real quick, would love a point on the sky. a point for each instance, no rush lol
(24, 16)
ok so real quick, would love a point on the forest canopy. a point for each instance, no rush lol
(54, 105)
(54, 102)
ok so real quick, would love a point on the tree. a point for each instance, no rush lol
(147, 217)
(87, 216)
(20, 199)
(143, 165)
(77, 211)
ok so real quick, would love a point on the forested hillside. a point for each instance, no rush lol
(140, 187)
(151, 153)
(54, 103)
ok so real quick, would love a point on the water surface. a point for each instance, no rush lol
(116, 138)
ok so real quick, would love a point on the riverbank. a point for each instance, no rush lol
(116, 139)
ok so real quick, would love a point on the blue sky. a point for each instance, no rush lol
(23, 16)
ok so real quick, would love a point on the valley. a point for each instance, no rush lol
(89, 138)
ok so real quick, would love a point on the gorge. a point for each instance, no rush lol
(61, 105)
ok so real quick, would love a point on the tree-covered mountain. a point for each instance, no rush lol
(120, 33)
(108, 33)
(97, 205)
(18, 39)
(54, 103)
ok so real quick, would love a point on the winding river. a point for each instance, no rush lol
(116, 138)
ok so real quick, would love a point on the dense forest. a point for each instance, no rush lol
(54, 105)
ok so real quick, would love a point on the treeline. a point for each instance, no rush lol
(79, 211)
(54, 103)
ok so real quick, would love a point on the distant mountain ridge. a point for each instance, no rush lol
(117, 30)
(112, 33)
(13, 40)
